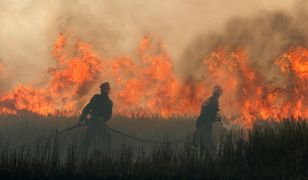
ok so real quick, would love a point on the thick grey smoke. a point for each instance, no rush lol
(29, 27)
(265, 37)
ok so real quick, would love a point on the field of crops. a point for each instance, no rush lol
(269, 150)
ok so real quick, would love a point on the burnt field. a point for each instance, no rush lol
(268, 150)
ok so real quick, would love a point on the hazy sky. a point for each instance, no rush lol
(114, 27)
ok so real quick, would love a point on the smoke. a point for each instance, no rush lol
(29, 27)
(1, 73)
(265, 37)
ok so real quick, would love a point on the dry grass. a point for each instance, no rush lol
(269, 150)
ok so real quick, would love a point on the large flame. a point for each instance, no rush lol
(250, 96)
(146, 84)
(69, 81)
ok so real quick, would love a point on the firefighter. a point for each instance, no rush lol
(209, 114)
(97, 113)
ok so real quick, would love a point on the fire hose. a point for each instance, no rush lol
(51, 136)
(111, 129)
(150, 141)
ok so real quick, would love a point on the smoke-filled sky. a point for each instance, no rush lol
(29, 27)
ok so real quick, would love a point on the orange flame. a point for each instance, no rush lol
(69, 82)
(250, 96)
(147, 84)
(294, 65)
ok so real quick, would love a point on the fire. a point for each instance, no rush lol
(250, 96)
(146, 84)
(62, 93)
(295, 61)
(294, 65)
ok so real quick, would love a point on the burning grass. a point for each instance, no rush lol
(268, 150)
(146, 82)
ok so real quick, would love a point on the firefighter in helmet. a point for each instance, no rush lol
(97, 113)
(208, 115)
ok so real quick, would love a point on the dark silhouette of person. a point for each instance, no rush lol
(208, 115)
(100, 110)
